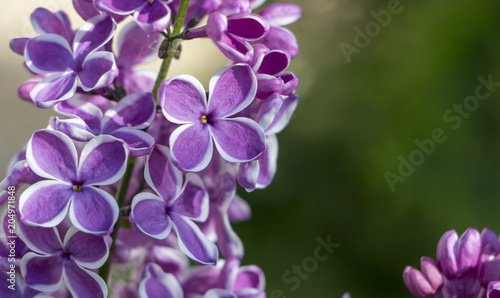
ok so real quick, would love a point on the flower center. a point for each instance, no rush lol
(77, 187)
(151, 1)
(204, 119)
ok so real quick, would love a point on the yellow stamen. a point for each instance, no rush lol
(204, 119)
(150, 1)
(77, 187)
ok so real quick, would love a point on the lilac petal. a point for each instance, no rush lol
(135, 110)
(153, 17)
(193, 200)
(219, 293)
(103, 161)
(232, 7)
(446, 254)
(93, 210)
(141, 80)
(87, 250)
(238, 139)
(17, 45)
(183, 99)
(85, 9)
(249, 277)
(249, 27)
(231, 90)
(193, 242)
(44, 21)
(239, 210)
(99, 70)
(416, 282)
(158, 284)
(40, 240)
(192, 146)
(469, 249)
(85, 110)
(281, 14)
(92, 35)
(139, 142)
(75, 129)
(54, 89)
(48, 53)
(149, 215)
(493, 289)
(135, 46)
(247, 175)
(284, 114)
(250, 293)
(267, 85)
(229, 243)
(66, 24)
(82, 282)
(268, 162)
(51, 154)
(274, 63)
(124, 7)
(235, 48)
(281, 39)
(161, 175)
(216, 26)
(43, 273)
(290, 82)
(269, 109)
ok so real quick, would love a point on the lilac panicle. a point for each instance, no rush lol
(175, 205)
(52, 54)
(237, 139)
(52, 155)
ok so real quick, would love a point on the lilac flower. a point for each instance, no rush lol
(258, 174)
(158, 284)
(55, 262)
(233, 34)
(134, 47)
(123, 121)
(43, 22)
(227, 279)
(279, 38)
(52, 155)
(150, 15)
(174, 206)
(237, 139)
(270, 66)
(425, 283)
(52, 54)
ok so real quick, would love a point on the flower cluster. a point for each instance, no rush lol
(137, 171)
(468, 266)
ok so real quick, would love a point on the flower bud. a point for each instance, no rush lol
(424, 283)
(457, 258)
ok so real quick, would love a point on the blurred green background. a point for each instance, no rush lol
(353, 122)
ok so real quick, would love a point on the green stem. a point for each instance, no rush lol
(120, 199)
(179, 20)
(122, 190)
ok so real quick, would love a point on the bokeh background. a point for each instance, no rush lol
(353, 122)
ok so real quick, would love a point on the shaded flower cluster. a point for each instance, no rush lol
(138, 173)
(467, 266)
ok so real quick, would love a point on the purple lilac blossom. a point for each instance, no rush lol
(237, 139)
(123, 121)
(175, 205)
(152, 16)
(52, 54)
(71, 176)
(55, 262)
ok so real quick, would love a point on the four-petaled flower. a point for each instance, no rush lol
(237, 139)
(52, 155)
